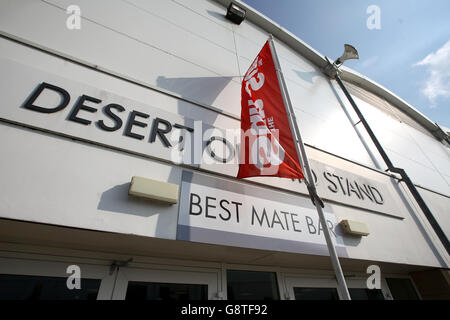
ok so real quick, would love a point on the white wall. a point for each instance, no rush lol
(424, 158)
(189, 49)
(55, 180)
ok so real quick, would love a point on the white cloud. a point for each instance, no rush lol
(369, 62)
(438, 81)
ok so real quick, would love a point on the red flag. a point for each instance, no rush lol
(267, 146)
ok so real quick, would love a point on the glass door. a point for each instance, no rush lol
(27, 279)
(166, 283)
(325, 288)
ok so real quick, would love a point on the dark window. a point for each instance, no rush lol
(402, 289)
(18, 287)
(316, 294)
(166, 291)
(365, 294)
(251, 285)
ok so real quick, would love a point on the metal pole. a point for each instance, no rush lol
(412, 188)
(364, 122)
(301, 153)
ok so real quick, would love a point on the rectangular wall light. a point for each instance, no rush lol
(235, 13)
(154, 190)
(354, 228)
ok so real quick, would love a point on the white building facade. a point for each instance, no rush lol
(131, 91)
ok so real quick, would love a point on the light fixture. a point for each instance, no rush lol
(349, 53)
(154, 190)
(331, 69)
(354, 228)
(235, 13)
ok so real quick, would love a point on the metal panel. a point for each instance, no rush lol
(45, 25)
(155, 30)
(58, 181)
(447, 179)
(435, 152)
(294, 58)
(24, 80)
(208, 9)
(390, 239)
(251, 32)
(405, 146)
(420, 174)
(423, 157)
(306, 76)
(42, 62)
(248, 48)
(202, 18)
(332, 133)
(440, 206)
(317, 99)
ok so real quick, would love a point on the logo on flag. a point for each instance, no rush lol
(267, 147)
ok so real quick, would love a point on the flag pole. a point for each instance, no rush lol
(301, 153)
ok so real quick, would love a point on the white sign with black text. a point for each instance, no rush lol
(223, 212)
(37, 99)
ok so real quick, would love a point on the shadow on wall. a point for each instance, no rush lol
(116, 199)
(203, 89)
(307, 76)
(217, 15)
(347, 240)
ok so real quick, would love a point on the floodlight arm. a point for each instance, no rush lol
(332, 70)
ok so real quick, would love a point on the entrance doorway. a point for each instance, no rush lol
(325, 288)
(166, 283)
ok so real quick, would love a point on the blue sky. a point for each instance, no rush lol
(409, 54)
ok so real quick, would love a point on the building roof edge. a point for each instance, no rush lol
(347, 74)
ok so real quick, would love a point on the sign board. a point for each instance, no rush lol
(353, 189)
(218, 211)
(37, 99)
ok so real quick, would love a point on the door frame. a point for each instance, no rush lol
(328, 281)
(166, 274)
(47, 268)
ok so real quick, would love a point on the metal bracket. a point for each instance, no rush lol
(444, 136)
(331, 69)
(116, 264)
(314, 196)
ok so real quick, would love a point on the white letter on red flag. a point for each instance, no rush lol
(267, 146)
